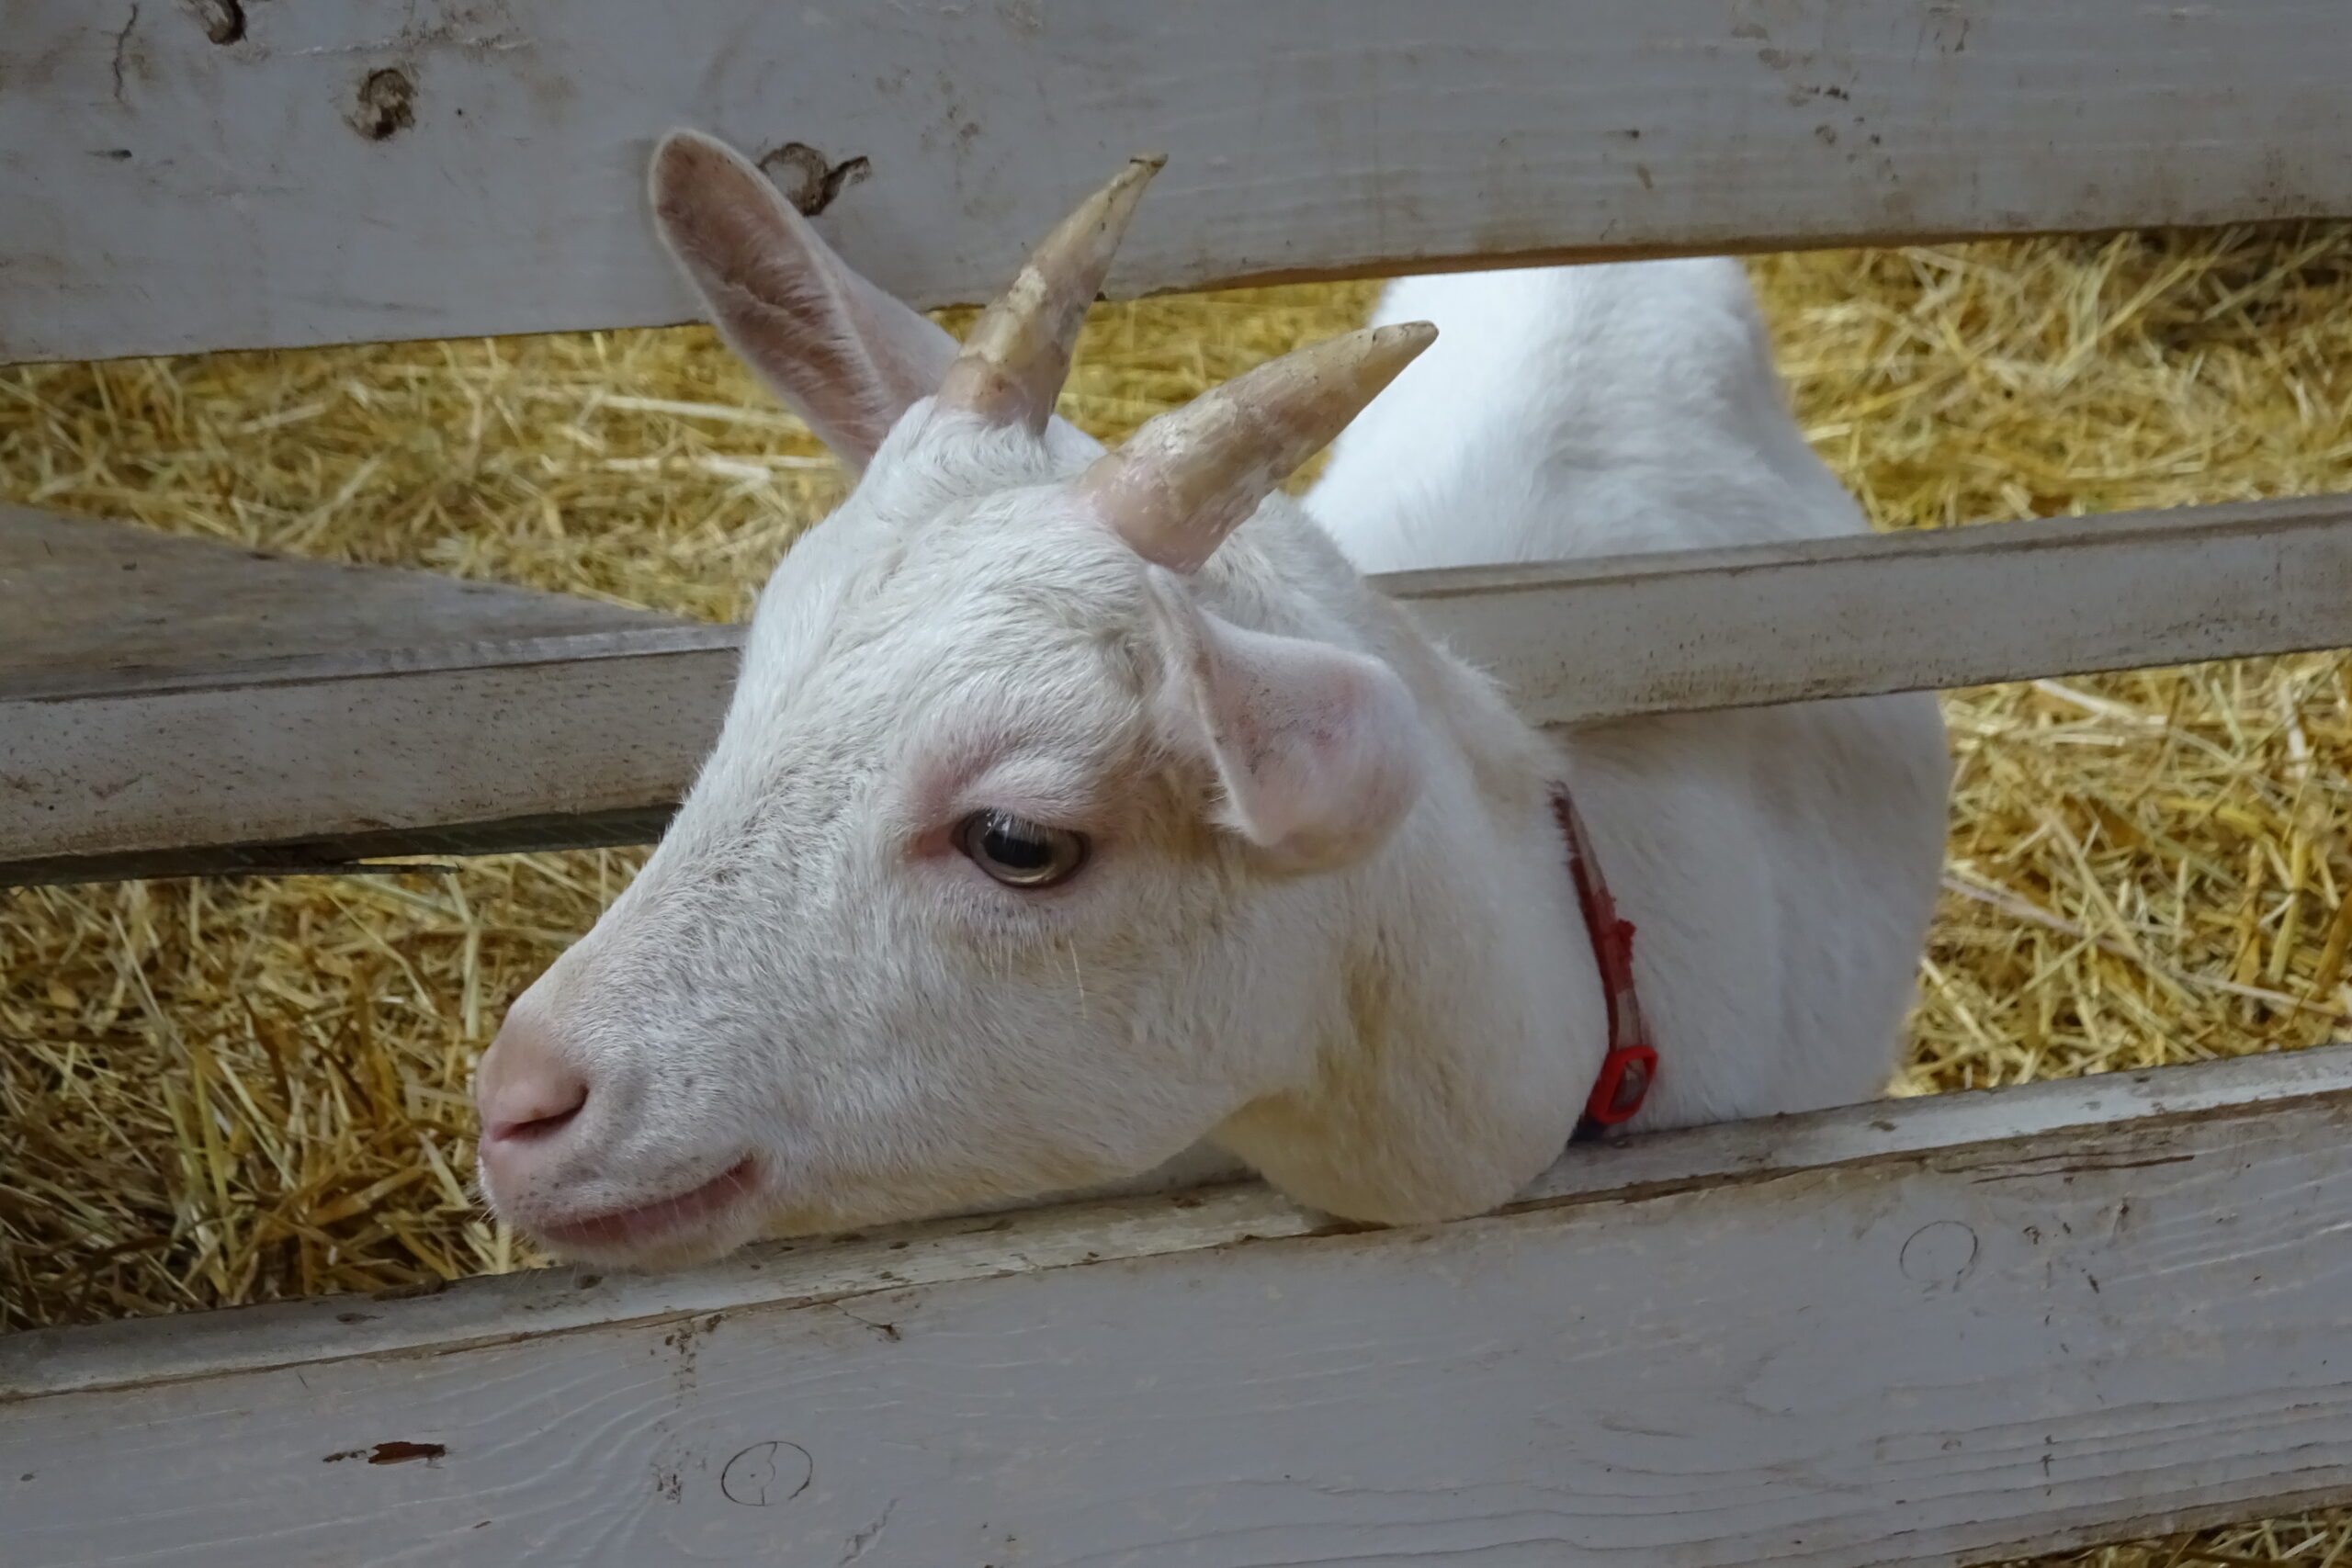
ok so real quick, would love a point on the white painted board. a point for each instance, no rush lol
(1932, 1332)
(376, 750)
(340, 170)
(1910, 610)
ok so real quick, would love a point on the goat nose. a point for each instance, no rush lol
(525, 1090)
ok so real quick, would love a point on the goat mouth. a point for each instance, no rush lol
(659, 1219)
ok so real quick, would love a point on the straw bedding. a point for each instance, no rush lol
(216, 1092)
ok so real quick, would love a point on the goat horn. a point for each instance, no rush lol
(1017, 355)
(1191, 475)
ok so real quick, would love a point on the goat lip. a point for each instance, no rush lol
(660, 1219)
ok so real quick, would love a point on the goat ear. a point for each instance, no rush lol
(1318, 750)
(846, 356)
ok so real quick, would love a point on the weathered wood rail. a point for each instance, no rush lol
(349, 747)
(1932, 1331)
(366, 169)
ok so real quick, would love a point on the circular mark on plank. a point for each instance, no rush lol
(386, 104)
(767, 1473)
(1939, 1253)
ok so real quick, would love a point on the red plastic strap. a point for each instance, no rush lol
(1631, 1066)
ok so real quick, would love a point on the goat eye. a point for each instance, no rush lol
(1020, 853)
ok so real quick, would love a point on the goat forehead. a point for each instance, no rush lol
(937, 674)
(1027, 550)
(1011, 584)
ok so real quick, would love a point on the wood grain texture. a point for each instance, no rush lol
(1912, 611)
(354, 853)
(208, 1344)
(1932, 1331)
(294, 761)
(90, 605)
(190, 176)
(607, 727)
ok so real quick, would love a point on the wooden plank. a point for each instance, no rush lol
(297, 763)
(89, 604)
(196, 1345)
(1924, 610)
(356, 854)
(1932, 1331)
(226, 174)
(94, 609)
(312, 760)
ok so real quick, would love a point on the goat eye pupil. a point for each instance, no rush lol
(1008, 846)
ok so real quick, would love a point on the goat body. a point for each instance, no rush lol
(1779, 864)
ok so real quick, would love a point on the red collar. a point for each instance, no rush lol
(1630, 1064)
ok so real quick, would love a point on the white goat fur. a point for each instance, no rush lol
(1400, 1023)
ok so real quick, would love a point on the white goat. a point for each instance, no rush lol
(1061, 822)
